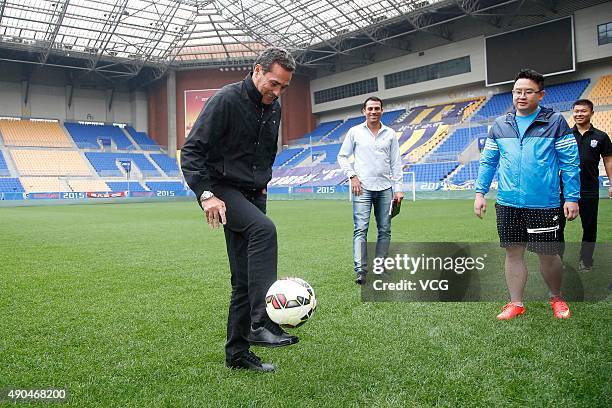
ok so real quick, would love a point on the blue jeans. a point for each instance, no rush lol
(362, 205)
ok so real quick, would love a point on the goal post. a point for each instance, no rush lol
(409, 184)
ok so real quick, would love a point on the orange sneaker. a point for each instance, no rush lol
(560, 308)
(510, 311)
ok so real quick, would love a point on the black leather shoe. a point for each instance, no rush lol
(271, 336)
(249, 361)
(361, 279)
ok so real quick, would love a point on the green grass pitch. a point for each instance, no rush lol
(125, 305)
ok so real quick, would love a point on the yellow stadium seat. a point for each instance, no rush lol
(35, 134)
(84, 185)
(50, 163)
(601, 94)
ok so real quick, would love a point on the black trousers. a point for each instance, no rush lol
(250, 238)
(589, 207)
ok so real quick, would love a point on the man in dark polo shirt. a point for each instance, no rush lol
(592, 144)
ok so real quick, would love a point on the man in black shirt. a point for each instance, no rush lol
(592, 144)
(227, 162)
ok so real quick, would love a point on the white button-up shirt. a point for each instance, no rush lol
(378, 162)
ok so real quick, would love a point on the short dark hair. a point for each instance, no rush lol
(584, 102)
(535, 76)
(272, 55)
(372, 98)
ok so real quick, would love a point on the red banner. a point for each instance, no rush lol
(115, 194)
(194, 103)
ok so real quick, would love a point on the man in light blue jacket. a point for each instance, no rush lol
(530, 146)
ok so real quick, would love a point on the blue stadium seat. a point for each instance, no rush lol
(167, 164)
(317, 134)
(497, 105)
(388, 118)
(106, 163)
(339, 132)
(123, 186)
(286, 155)
(86, 136)
(561, 97)
(330, 151)
(165, 186)
(11, 185)
(558, 97)
(457, 142)
(467, 172)
(430, 172)
(143, 140)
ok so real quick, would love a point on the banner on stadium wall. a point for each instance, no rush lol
(115, 194)
(194, 103)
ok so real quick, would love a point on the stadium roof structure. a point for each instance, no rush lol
(123, 39)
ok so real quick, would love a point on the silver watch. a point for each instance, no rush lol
(206, 195)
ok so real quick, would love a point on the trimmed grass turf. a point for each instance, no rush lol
(126, 305)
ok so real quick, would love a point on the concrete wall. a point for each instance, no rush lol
(472, 47)
(297, 118)
(587, 51)
(51, 102)
(585, 26)
(10, 98)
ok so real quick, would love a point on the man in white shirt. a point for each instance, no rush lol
(375, 179)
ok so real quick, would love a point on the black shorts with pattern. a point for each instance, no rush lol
(537, 229)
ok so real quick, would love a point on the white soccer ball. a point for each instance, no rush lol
(290, 302)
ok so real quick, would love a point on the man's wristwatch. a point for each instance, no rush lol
(206, 195)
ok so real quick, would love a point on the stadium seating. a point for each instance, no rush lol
(317, 134)
(143, 140)
(123, 186)
(431, 172)
(430, 139)
(391, 116)
(44, 184)
(106, 165)
(298, 158)
(561, 97)
(337, 134)
(318, 175)
(286, 155)
(50, 163)
(85, 185)
(558, 97)
(330, 152)
(36, 134)
(602, 120)
(167, 164)
(456, 143)
(472, 107)
(601, 94)
(86, 136)
(4, 170)
(497, 105)
(165, 185)
(11, 185)
(467, 172)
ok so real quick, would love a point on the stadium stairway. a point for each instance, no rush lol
(10, 164)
